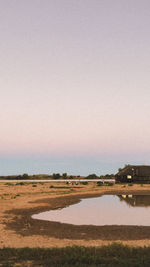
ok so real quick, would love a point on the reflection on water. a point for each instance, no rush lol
(136, 200)
(104, 210)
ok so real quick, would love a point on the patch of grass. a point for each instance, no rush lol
(109, 184)
(130, 184)
(21, 183)
(9, 184)
(64, 187)
(64, 192)
(17, 195)
(112, 255)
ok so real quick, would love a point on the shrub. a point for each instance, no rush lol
(9, 184)
(25, 176)
(84, 183)
(109, 183)
(56, 176)
(92, 176)
(64, 175)
(99, 183)
(21, 183)
(130, 184)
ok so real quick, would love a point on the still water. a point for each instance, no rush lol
(103, 210)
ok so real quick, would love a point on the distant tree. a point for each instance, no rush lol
(92, 176)
(56, 176)
(109, 176)
(25, 176)
(19, 177)
(64, 175)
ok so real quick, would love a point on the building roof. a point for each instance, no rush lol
(140, 170)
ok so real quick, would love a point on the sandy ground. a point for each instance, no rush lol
(19, 202)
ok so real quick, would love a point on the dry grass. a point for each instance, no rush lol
(27, 196)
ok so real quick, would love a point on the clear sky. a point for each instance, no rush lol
(74, 85)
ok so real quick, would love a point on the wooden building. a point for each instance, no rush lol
(134, 173)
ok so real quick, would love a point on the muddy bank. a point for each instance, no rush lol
(24, 225)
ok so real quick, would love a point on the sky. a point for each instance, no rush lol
(74, 85)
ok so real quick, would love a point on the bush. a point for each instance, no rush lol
(25, 176)
(64, 175)
(21, 183)
(9, 184)
(92, 176)
(109, 183)
(99, 183)
(84, 183)
(56, 176)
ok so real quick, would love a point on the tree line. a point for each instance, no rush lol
(56, 176)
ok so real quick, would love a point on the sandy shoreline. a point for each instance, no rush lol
(19, 202)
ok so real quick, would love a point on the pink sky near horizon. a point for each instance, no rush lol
(75, 77)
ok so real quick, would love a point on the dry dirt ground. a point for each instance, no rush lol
(19, 201)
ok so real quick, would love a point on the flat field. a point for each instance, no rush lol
(18, 201)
